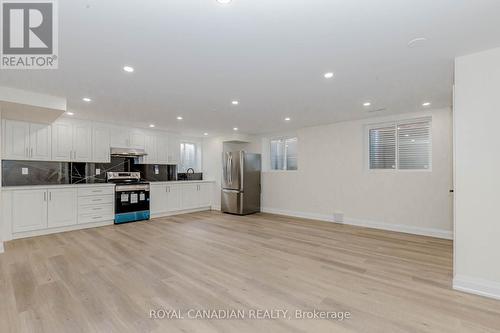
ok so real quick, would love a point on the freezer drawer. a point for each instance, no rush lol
(237, 202)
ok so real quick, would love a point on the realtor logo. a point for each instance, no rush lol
(29, 34)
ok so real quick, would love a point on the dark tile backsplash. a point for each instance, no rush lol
(38, 173)
(54, 173)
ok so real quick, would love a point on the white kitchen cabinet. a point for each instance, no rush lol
(173, 198)
(137, 139)
(82, 141)
(40, 142)
(101, 144)
(124, 137)
(189, 196)
(174, 150)
(204, 194)
(151, 148)
(25, 141)
(158, 198)
(162, 149)
(62, 207)
(62, 141)
(72, 141)
(29, 210)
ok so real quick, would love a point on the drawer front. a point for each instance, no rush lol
(96, 209)
(91, 218)
(96, 200)
(92, 191)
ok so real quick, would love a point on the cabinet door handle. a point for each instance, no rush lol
(31, 152)
(50, 196)
(27, 153)
(44, 196)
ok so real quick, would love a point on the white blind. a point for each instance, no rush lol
(383, 147)
(291, 153)
(414, 145)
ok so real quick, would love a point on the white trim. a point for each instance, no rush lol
(477, 286)
(431, 232)
(1, 247)
(311, 216)
(216, 207)
(178, 212)
(407, 229)
(60, 229)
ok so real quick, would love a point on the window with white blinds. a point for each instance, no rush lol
(284, 154)
(189, 156)
(403, 145)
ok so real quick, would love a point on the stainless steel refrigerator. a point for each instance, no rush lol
(240, 183)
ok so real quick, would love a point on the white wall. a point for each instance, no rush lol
(477, 173)
(333, 177)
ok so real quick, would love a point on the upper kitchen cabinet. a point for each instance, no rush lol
(101, 139)
(151, 148)
(174, 150)
(123, 137)
(26, 141)
(162, 149)
(72, 141)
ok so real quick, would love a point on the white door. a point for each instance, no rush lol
(62, 141)
(174, 150)
(29, 210)
(101, 144)
(82, 141)
(158, 199)
(204, 194)
(16, 140)
(151, 149)
(40, 142)
(162, 149)
(189, 194)
(174, 198)
(62, 207)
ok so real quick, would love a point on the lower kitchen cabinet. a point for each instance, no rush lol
(61, 210)
(29, 210)
(167, 198)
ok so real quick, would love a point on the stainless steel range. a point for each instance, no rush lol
(131, 196)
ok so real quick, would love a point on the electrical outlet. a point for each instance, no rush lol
(97, 172)
(24, 171)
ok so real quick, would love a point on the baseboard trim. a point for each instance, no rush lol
(437, 233)
(477, 286)
(74, 227)
(178, 212)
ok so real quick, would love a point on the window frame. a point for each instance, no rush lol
(197, 156)
(284, 138)
(396, 124)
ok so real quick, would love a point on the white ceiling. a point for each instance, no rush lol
(193, 57)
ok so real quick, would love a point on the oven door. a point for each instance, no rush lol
(131, 203)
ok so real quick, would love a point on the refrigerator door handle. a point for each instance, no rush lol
(230, 191)
(230, 174)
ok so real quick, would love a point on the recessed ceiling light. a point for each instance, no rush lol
(86, 99)
(426, 104)
(328, 75)
(179, 118)
(235, 128)
(128, 69)
(69, 113)
(224, 2)
(235, 102)
(367, 104)
(288, 119)
(205, 134)
(151, 125)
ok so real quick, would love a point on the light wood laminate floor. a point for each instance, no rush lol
(108, 279)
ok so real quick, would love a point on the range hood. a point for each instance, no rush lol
(128, 152)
